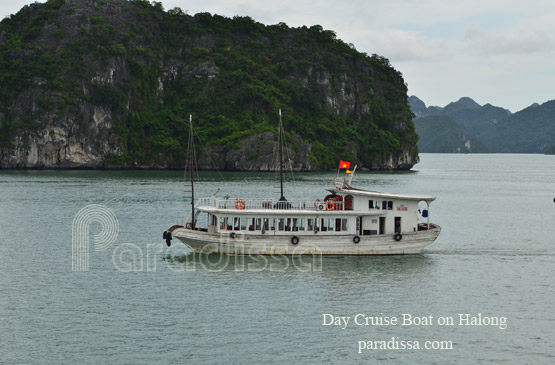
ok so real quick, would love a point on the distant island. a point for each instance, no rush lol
(550, 150)
(111, 84)
(465, 126)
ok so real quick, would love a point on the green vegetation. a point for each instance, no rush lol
(528, 131)
(441, 134)
(151, 69)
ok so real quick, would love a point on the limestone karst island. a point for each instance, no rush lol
(111, 84)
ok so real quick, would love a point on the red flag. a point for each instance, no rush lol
(344, 164)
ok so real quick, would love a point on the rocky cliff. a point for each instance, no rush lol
(111, 84)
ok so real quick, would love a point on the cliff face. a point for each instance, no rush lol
(61, 143)
(260, 153)
(111, 83)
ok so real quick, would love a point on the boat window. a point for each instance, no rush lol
(340, 224)
(223, 223)
(273, 224)
(288, 225)
(370, 204)
(243, 224)
(236, 222)
(301, 224)
(266, 224)
(327, 224)
(377, 204)
(257, 225)
(310, 224)
(337, 224)
(251, 224)
(389, 205)
(384, 205)
(281, 224)
(295, 227)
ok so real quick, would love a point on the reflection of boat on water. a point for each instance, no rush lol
(347, 221)
(336, 267)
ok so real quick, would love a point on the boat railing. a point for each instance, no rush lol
(260, 204)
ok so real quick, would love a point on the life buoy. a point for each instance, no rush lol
(330, 205)
(240, 204)
(232, 235)
(294, 240)
(398, 237)
(348, 203)
(330, 197)
(356, 239)
(339, 200)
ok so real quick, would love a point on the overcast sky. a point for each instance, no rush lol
(500, 52)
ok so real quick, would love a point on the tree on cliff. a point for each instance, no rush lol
(100, 83)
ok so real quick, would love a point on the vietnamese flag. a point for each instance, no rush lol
(344, 164)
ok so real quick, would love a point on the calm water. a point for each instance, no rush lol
(495, 256)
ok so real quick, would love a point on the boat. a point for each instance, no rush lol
(344, 221)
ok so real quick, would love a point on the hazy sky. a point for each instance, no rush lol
(500, 52)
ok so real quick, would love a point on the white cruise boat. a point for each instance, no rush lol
(347, 221)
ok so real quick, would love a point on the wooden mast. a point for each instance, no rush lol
(189, 171)
(282, 198)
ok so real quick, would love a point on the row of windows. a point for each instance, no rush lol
(283, 224)
(377, 204)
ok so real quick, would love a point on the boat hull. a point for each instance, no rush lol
(249, 244)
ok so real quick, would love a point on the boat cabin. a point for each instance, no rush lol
(345, 211)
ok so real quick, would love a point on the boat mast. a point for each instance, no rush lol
(189, 171)
(282, 198)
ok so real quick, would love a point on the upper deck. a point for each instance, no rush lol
(346, 202)
(269, 206)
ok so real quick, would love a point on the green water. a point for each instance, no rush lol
(140, 302)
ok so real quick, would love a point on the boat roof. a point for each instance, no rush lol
(376, 194)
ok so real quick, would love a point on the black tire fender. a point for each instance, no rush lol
(356, 239)
(398, 237)
(294, 240)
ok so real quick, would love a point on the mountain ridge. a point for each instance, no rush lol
(492, 128)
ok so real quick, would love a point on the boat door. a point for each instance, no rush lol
(397, 224)
(382, 225)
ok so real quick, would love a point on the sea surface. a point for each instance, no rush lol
(138, 302)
